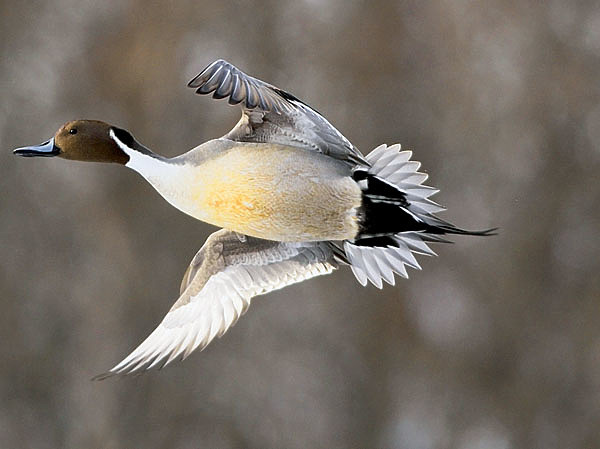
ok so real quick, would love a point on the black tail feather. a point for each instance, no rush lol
(458, 231)
(386, 211)
(438, 225)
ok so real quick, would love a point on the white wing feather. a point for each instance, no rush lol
(235, 270)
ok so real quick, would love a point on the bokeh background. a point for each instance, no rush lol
(495, 344)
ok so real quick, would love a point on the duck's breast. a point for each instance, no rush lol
(276, 192)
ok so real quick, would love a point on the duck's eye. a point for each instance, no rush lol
(73, 131)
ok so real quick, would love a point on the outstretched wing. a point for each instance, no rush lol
(217, 289)
(270, 114)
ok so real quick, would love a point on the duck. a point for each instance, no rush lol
(294, 199)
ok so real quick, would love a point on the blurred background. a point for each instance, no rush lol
(495, 344)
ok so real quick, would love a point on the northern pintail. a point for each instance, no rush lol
(294, 197)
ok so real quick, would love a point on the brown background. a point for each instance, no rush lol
(495, 344)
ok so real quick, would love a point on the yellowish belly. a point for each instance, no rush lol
(276, 193)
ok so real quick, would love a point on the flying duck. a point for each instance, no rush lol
(295, 199)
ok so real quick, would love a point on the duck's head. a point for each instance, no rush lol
(83, 140)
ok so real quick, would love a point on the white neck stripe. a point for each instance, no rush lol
(121, 145)
(144, 164)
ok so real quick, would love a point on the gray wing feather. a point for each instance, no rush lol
(223, 277)
(270, 114)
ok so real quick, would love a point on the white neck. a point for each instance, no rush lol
(172, 180)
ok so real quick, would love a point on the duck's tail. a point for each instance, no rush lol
(397, 218)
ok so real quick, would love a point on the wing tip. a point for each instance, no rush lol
(196, 81)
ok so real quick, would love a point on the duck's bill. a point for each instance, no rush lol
(46, 149)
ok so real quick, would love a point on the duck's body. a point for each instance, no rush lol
(294, 198)
(270, 191)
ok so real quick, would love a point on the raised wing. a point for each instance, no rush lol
(270, 114)
(223, 277)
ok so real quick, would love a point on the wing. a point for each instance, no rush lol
(270, 114)
(223, 277)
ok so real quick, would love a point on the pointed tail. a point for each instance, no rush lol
(397, 218)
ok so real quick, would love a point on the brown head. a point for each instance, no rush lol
(82, 140)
